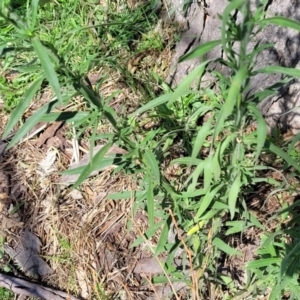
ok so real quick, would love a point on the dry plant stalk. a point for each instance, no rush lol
(195, 281)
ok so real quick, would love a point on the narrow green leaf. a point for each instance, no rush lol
(200, 139)
(92, 166)
(255, 222)
(268, 180)
(184, 86)
(200, 50)
(148, 234)
(225, 143)
(278, 151)
(66, 116)
(224, 247)
(233, 194)
(186, 161)
(265, 262)
(231, 100)
(150, 202)
(192, 194)
(206, 201)
(215, 166)
(286, 260)
(152, 104)
(182, 89)
(163, 239)
(270, 250)
(225, 19)
(211, 213)
(271, 238)
(195, 177)
(235, 226)
(208, 172)
(282, 70)
(33, 14)
(33, 120)
(112, 159)
(261, 130)
(47, 65)
(126, 195)
(22, 106)
(295, 139)
(153, 164)
(281, 21)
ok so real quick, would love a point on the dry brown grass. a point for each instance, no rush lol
(84, 236)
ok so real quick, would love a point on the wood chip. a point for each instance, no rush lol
(48, 133)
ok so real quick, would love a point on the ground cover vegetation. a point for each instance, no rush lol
(198, 178)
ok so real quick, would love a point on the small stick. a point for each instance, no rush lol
(31, 289)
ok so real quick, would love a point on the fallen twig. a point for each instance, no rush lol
(27, 288)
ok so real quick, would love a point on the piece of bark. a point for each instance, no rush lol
(150, 265)
(48, 133)
(27, 256)
(31, 289)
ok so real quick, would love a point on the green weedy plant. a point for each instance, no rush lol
(220, 162)
(218, 182)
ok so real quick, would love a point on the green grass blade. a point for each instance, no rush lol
(208, 172)
(200, 50)
(126, 195)
(152, 104)
(92, 166)
(270, 239)
(200, 139)
(47, 65)
(22, 106)
(255, 222)
(150, 202)
(206, 201)
(33, 14)
(282, 70)
(184, 86)
(261, 130)
(225, 17)
(281, 21)
(153, 164)
(264, 262)
(192, 194)
(148, 234)
(66, 116)
(195, 176)
(182, 89)
(112, 159)
(233, 194)
(224, 247)
(215, 166)
(231, 99)
(33, 120)
(186, 161)
(286, 260)
(163, 239)
(278, 151)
